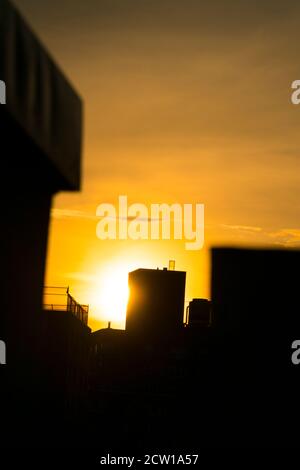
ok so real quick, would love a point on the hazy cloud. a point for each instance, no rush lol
(242, 228)
(71, 214)
(288, 237)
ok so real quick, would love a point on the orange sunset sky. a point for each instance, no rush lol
(185, 101)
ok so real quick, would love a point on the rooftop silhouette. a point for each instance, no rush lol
(218, 375)
(156, 301)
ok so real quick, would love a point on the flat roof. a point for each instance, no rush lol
(41, 104)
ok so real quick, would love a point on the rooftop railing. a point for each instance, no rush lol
(60, 299)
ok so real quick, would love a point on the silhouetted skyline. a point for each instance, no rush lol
(190, 371)
(184, 102)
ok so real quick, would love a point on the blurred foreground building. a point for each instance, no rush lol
(41, 132)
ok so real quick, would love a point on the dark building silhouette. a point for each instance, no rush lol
(41, 127)
(254, 291)
(65, 350)
(139, 374)
(225, 380)
(156, 302)
(198, 313)
(256, 318)
(231, 367)
(64, 365)
(108, 370)
(136, 387)
(40, 149)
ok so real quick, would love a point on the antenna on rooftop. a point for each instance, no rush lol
(172, 265)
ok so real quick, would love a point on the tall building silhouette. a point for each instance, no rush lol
(41, 130)
(156, 302)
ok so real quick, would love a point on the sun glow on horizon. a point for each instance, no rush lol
(109, 292)
(109, 298)
(113, 295)
(99, 279)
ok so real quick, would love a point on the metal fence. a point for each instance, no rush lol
(60, 299)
